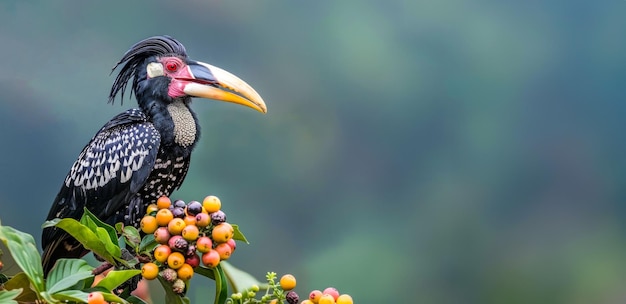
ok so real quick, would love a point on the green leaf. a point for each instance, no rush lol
(117, 277)
(170, 296)
(111, 246)
(131, 236)
(135, 300)
(85, 236)
(112, 298)
(67, 273)
(239, 279)
(110, 230)
(221, 288)
(71, 295)
(238, 235)
(23, 250)
(21, 281)
(8, 296)
(204, 271)
(148, 243)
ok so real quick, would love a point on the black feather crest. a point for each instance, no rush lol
(135, 56)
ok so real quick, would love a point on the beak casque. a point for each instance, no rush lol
(223, 86)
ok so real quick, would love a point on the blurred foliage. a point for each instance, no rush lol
(464, 152)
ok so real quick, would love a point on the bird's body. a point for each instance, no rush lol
(142, 153)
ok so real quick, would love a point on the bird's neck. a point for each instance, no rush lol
(177, 125)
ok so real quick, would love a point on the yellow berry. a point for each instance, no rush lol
(326, 299)
(175, 260)
(190, 233)
(148, 224)
(288, 282)
(149, 271)
(185, 272)
(344, 299)
(151, 208)
(176, 226)
(161, 253)
(211, 203)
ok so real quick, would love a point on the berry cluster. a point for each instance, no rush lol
(330, 295)
(187, 234)
(282, 292)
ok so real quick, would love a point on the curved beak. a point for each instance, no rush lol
(214, 83)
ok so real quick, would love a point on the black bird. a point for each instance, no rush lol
(143, 153)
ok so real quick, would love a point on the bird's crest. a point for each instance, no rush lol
(157, 45)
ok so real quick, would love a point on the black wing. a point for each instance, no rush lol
(109, 171)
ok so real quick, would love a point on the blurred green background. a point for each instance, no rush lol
(434, 151)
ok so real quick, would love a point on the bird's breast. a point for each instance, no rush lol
(184, 124)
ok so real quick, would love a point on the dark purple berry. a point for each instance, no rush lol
(178, 212)
(178, 243)
(191, 250)
(194, 208)
(218, 217)
(292, 297)
(179, 204)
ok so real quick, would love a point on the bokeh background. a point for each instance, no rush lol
(432, 151)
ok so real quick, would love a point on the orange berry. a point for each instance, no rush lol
(148, 224)
(288, 282)
(149, 271)
(190, 220)
(176, 226)
(164, 202)
(211, 258)
(185, 272)
(161, 253)
(163, 217)
(175, 260)
(95, 297)
(211, 203)
(224, 251)
(190, 233)
(222, 233)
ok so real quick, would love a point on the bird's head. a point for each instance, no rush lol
(160, 67)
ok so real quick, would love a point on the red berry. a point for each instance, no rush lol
(232, 244)
(193, 260)
(211, 258)
(315, 296)
(331, 291)
(204, 244)
(162, 235)
(203, 220)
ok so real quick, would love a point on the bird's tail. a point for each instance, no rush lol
(62, 247)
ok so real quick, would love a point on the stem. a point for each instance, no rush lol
(102, 268)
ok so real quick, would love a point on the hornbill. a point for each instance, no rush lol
(142, 153)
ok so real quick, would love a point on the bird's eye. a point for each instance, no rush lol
(171, 66)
